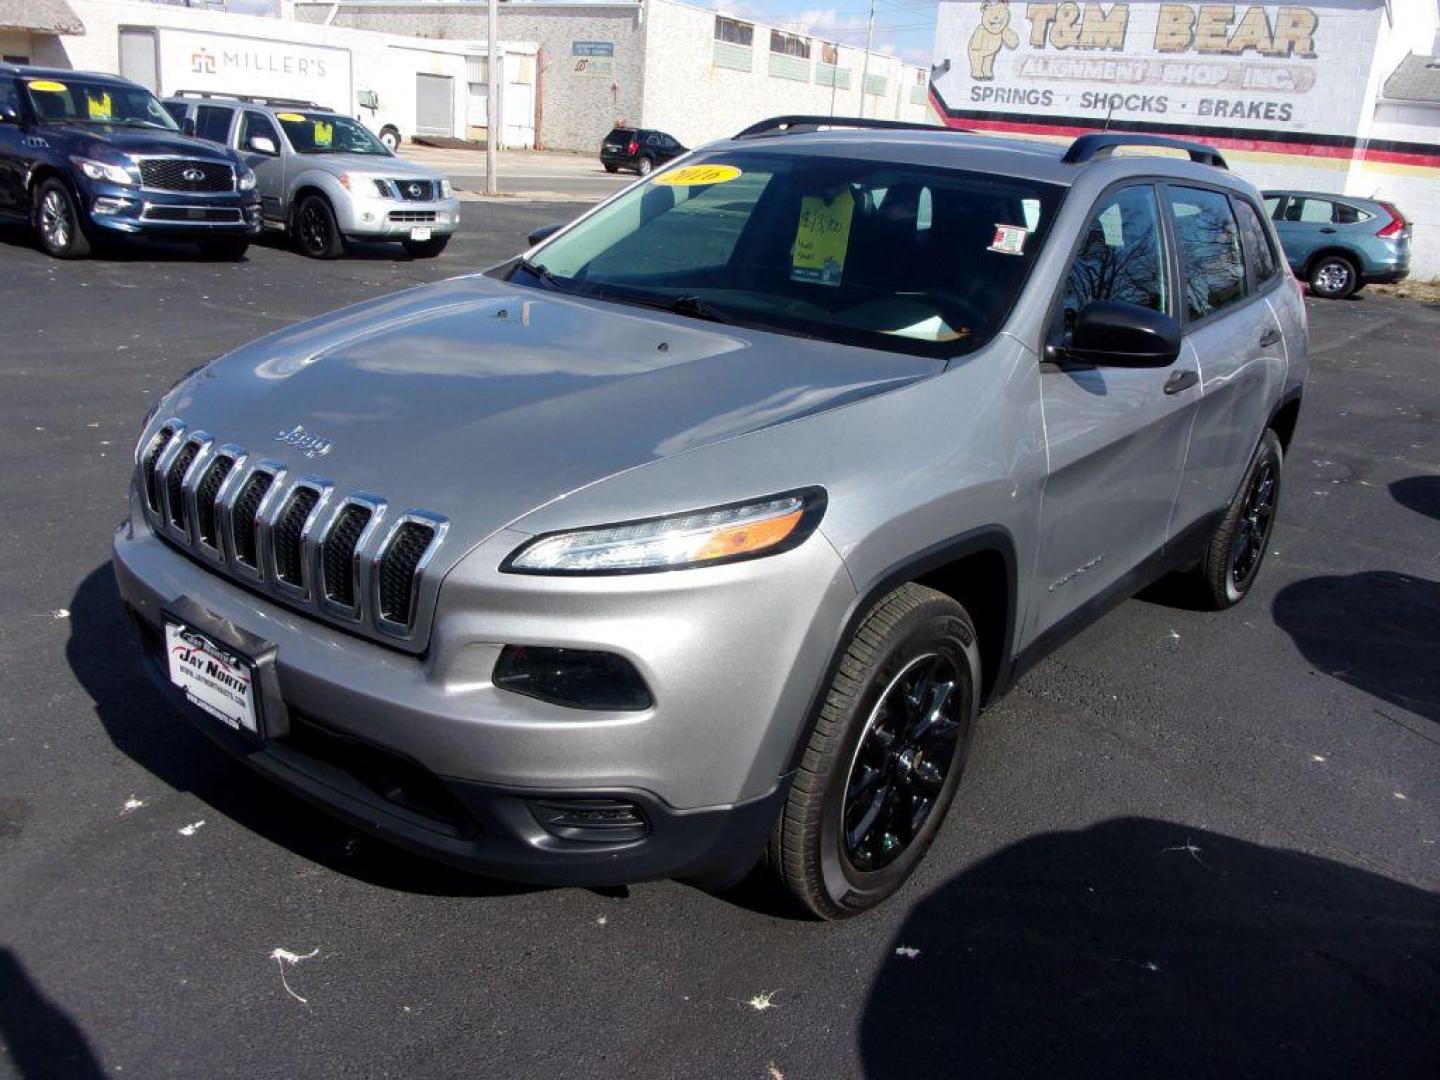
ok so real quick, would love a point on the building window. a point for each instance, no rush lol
(783, 44)
(734, 31)
(733, 39)
(920, 91)
(876, 85)
(828, 71)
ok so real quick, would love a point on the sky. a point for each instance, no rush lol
(903, 27)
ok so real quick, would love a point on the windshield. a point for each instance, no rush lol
(75, 101)
(326, 133)
(899, 257)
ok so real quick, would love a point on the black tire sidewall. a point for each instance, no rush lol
(1220, 580)
(335, 246)
(933, 627)
(74, 248)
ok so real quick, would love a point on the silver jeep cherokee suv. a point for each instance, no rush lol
(324, 178)
(706, 527)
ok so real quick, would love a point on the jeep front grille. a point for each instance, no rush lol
(285, 536)
(185, 174)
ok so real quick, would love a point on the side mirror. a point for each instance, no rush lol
(187, 126)
(1109, 333)
(544, 233)
(9, 114)
(263, 144)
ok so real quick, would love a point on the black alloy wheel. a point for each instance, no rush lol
(316, 230)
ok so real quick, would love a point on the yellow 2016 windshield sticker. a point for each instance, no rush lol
(324, 133)
(290, 117)
(696, 175)
(822, 238)
(47, 86)
(98, 108)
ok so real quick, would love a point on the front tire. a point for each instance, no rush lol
(1334, 277)
(883, 763)
(316, 232)
(1238, 545)
(425, 249)
(58, 227)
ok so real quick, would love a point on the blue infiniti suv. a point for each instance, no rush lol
(85, 155)
(1340, 243)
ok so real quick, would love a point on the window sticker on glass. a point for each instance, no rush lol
(98, 108)
(324, 133)
(1009, 239)
(47, 86)
(696, 175)
(290, 117)
(822, 238)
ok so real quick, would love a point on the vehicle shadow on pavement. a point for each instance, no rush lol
(116, 251)
(1419, 493)
(1144, 948)
(1376, 630)
(103, 654)
(42, 1039)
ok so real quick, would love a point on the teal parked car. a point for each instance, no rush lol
(1339, 243)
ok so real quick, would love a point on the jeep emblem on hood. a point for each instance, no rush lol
(298, 437)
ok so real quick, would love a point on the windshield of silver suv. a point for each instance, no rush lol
(326, 133)
(77, 101)
(899, 257)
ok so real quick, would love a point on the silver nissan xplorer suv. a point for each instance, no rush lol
(702, 530)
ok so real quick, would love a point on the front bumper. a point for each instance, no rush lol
(137, 211)
(427, 753)
(394, 219)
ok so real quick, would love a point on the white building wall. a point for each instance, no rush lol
(688, 95)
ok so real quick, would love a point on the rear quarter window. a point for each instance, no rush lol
(1209, 241)
(1259, 255)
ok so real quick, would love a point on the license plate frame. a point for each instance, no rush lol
(215, 678)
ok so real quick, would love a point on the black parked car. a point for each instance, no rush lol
(84, 155)
(640, 149)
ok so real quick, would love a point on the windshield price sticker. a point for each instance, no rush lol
(822, 238)
(99, 108)
(324, 133)
(1009, 239)
(48, 87)
(697, 175)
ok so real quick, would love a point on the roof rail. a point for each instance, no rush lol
(795, 125)
(1102, 144)
(249, 99)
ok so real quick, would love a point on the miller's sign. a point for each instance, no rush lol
(1224, 65)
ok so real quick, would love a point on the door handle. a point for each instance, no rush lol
(1327, 229)
(1180, 380)
(1269, 337)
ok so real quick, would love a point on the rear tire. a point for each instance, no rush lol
(612, 168)
(58, 225)
(227, 250)
(425, 249)
(390, 139)
(1334, 277)
(1238, 546)
(645, 166)
(316, 232)
(883, 763)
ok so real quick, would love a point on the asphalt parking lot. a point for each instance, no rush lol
(1189, 844)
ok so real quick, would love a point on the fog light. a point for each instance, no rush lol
(577, 678)
(595, 821)
(367, 216)
(107, 206)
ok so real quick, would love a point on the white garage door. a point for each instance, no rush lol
(434, 105)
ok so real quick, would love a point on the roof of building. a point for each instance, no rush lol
(42, 16)
(1416, 79)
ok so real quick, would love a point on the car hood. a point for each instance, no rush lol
(142, 142)
(480, 401)
(369, 163)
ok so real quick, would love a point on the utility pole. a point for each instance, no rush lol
(865, 70)
(492, 100)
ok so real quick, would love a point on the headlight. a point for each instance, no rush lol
(363, 183)
(446, 189)
(100, 170)
(704, 538)
(245, 178)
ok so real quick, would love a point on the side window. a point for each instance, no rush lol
(1345, 214)
(213, 122)
(1122, 256)
(1259, 255)
(1310, 211)
(9, 95)
(176, 109)
(254, 123)
(1272, 206)
(1209, 250)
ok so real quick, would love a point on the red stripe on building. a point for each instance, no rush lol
(1266, 146)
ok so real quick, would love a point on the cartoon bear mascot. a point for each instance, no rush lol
(992, 32)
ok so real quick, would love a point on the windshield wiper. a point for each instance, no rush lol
(537, 270)
(691, 306)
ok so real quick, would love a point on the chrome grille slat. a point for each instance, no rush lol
(294, 539)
